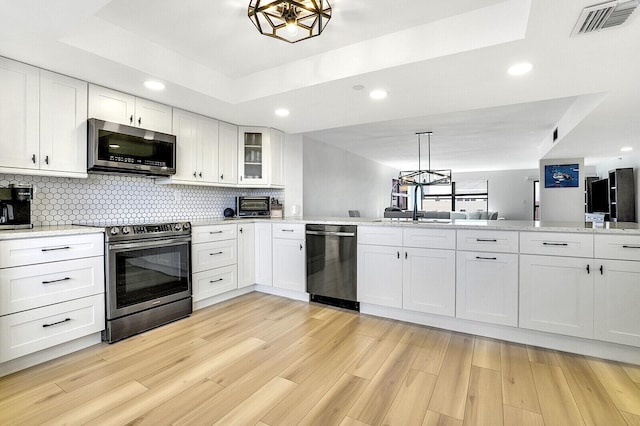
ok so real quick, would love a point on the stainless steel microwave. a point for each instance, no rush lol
(253, 206)
(118, 148)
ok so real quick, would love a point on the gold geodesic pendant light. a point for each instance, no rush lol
(290, 20)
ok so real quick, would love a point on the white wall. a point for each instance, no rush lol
(336, 181)
(293, 176)
(562, 204)
(602, 170)
(510, 191)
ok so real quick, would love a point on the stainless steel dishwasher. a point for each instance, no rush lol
(332, 265)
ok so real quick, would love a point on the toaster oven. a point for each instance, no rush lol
(253, 206)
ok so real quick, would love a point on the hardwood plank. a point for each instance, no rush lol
(624, 392)
(79, 414)
(254, 407)
(433, 351)
(556, 401)
(378, 396)
(373, 326)
(335, 404)
(436, 419)
(518, 388)
(348, 421)
(297, 404)
(416, 335)
(542, 356)
(20, 406)
(179, 405)
(592, 399)
(141, 404)
(369, 364)
(633, 371)
(518, 417)
(412, 401)
(450, 393)
(631, 419)
(486, 353)
(484, 399)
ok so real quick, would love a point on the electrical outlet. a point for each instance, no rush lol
(176, 195)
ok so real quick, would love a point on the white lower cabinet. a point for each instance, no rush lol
(289, 260)
(380, 275)
(617, 302)
(557, 294)
(246, 254)
(214, 281)
(487, 287)
(264, 254)
(429, 281)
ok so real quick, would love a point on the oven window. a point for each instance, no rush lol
(150, 273)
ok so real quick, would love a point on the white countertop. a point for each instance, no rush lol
(47, 231)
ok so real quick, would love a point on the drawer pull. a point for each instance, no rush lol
(486, 240)
(215, 254)
(56, 281)
(216, 281)
(56, 323)
(486, 258)
(628, 246)
(288, 230)
(216, 232)
(555, 244)
(56, 248)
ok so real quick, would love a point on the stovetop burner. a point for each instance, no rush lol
(119, 231)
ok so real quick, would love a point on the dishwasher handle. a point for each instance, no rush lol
(332, 233)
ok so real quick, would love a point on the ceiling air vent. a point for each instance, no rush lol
(604, 15)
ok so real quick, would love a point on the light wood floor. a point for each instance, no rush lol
(264, 360)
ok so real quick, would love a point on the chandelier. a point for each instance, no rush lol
(428, 176)
(290, 20)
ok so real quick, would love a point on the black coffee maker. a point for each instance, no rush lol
(15, 206)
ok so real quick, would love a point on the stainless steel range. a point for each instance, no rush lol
(148, 277)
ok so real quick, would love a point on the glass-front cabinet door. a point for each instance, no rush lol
(253, 155)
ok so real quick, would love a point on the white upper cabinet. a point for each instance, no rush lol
(253, 153)
(110, 105)
(42, 122)
(228, 153)
(276, 158)
(63, 123)
(19, 110)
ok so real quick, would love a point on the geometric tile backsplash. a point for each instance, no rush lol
(125, 199)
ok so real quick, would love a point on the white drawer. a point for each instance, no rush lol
(380, 235)
(209, 233)
(31, 331)
(493, 241)
(623, 247)
(289, 231)
(214, 281)
(213, 255)
(29, 251)
(429, 238)
(33, 286)
(556, 244)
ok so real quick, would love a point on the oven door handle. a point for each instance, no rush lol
(149, 244)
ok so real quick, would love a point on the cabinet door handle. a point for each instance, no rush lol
(46, 159)
(56, 323)
(554, 244)
(241, 230)
(486, 240)
(601, 270)
(56, 281)
(588, 269)
(486, 258)
(139, 121)
(33, 158)
(195, 174)
(216, 281)
(222, 176)
(216, 232)
(131, 119)
(405, 255)
(300, 246)
(200, 174)
(632, 247)
(240, 177)
(215, 254)
(398, 255)
(56, 248)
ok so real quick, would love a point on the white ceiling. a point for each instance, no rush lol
(443, 63)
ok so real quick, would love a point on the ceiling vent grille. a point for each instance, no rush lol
(603, 16)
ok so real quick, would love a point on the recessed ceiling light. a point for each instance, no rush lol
(154, 85)
(626, 149)
(520, 69)
(378, 94)
(282, 112)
